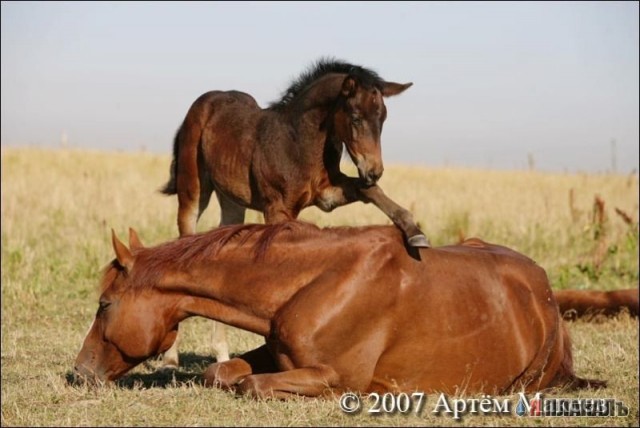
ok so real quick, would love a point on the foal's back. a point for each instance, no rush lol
(221, 130)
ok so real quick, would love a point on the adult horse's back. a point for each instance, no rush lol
(284, 158)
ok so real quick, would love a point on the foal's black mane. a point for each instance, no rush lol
(365, 77)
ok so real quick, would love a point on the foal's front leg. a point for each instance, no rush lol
(348, 189)
(400, 216)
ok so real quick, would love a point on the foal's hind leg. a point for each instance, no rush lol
(194, 194)
(230, 213)
(187, 225)
(188, 213)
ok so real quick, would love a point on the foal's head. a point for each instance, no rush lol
(354, 95)
(359, 117)
(133, 322)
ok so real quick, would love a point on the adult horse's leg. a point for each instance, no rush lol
(226, 375)
(255, 373)
(308, 381)
(230, 213)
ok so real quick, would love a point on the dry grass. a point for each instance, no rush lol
(58, 208)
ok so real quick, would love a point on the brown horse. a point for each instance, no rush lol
(284, 158)
(340, 309)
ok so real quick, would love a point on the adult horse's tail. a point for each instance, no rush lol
(578, 303)
(171, 188)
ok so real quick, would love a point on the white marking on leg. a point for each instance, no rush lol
(170, 357)
(219, 342)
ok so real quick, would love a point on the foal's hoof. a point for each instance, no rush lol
(167, 368)
(419, 241)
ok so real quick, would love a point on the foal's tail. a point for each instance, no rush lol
(171, 188)
(578, 303)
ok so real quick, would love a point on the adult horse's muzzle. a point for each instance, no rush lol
(82, 375)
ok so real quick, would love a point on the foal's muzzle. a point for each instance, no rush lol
(372, 177)
(369, 168)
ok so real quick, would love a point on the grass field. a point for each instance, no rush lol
(58, 208)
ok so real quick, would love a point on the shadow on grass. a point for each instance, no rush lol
(189, 373)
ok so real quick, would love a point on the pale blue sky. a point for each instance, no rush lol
(492, 81)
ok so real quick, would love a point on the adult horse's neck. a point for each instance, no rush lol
(238, 290)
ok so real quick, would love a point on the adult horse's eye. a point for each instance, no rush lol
(356, 121)
(103, 305)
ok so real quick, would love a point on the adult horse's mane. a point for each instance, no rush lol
(365, 77)
(182, 252)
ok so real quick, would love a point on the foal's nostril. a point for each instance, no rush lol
(373, 177)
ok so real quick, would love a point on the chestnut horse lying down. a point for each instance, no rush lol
(340, 309)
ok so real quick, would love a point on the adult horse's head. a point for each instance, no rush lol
(359, 117)
(133, 322)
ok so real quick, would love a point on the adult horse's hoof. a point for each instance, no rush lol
(419, 241)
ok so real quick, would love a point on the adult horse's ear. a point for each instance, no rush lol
(391, 88)
(123, 255)
(349, 87)
(134, 240)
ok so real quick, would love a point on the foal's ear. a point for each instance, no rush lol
(349, 86)
(134, 241)
(124, 256)
(391, 88)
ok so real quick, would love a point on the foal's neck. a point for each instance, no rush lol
(312, 117)
(320, 94)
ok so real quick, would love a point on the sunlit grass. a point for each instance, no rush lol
(58, 208)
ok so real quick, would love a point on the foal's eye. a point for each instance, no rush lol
(103, 305)
(356, 121)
